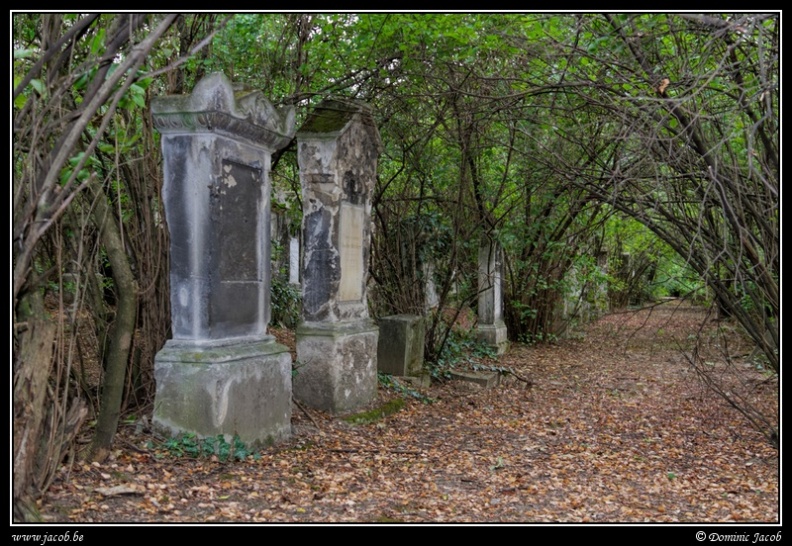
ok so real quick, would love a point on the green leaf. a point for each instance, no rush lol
(98, 41)
(140, 100)
(21, 99)
(24, 53)
(38, 85)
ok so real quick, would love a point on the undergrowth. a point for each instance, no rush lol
(189, 445)
(460, 350)
(392, 384)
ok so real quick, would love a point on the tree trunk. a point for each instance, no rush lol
(32, 370)
(122, 330)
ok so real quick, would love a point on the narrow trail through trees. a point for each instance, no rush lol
(614, 427)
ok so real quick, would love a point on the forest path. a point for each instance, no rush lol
(613, 427)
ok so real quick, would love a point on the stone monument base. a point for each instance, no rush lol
(231, 388)
(493, 335)
(336, 365)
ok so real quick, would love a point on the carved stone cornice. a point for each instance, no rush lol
(216, 106)
(332, 117)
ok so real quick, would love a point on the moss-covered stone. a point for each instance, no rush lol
(330, 117)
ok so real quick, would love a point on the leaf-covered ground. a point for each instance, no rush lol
(613, 427)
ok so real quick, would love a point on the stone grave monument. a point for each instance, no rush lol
(491, 328)
(338, 148)
(221, 373)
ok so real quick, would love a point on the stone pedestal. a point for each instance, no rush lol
(338, 149)
(232, 389)
(337, 365)
(401, 345)
(221, 373)
(491, 328)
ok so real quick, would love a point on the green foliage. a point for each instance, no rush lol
(645, 268)
(460, 350)
(499, 464)
(190, 445)
(532, 338)
(285, 297)
(286, 301)
(675, 278)
(296, 365)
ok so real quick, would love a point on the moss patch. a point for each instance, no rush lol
(329, 117)
(373, 415)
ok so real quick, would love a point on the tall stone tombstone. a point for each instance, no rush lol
(337, 147)
(431, 297)
(491, 328)
(222, 373)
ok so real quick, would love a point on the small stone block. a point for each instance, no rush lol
(485, 379)
(401, 345)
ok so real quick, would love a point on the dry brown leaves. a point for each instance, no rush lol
(614, 428)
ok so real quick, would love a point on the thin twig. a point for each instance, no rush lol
(518, 376)
(305, 411)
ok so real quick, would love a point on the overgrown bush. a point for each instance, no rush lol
(286, 302)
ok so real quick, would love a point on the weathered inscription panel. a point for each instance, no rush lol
(351, 243)
(239, 199)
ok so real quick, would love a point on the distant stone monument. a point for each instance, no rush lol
(338, 148)
(294, 260)
(491, 328)
(401, 345)
(431, 297)
(221, 373)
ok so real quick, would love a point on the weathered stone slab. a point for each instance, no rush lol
(485, 379)
(401, 345)
(217, 143)
(337, 152)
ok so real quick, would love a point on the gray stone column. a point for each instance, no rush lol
(491, 329)
(338, 148)
(221, 373)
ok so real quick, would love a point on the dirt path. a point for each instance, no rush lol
(613, 428)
